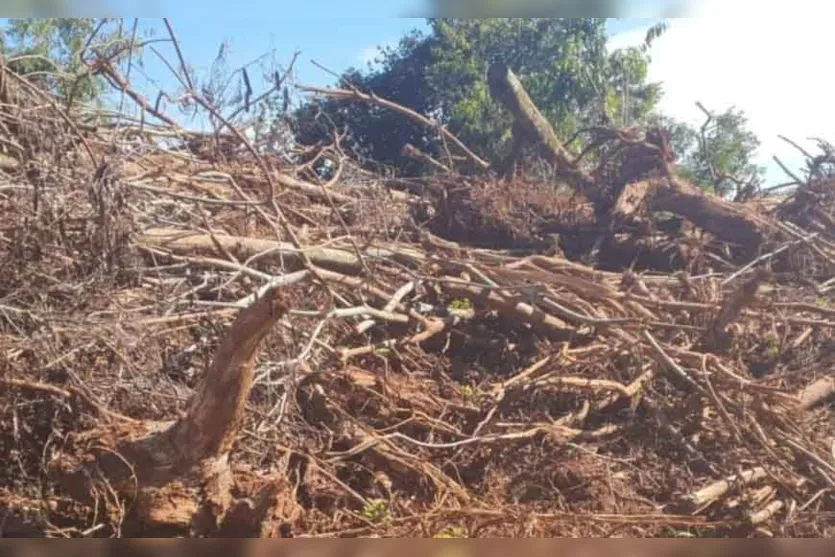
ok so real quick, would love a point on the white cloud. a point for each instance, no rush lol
(771, 66)
(368, 54)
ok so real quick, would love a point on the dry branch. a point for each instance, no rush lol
(373, 99)
(716, 490)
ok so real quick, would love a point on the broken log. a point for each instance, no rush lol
(734, 223)
(817, 393)
(711, 493)
(506, 88)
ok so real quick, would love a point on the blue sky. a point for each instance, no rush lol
(335, 41)
(338, 40)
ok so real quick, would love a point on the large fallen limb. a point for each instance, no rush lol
(732, 222)
(340, 260)
(506, 88)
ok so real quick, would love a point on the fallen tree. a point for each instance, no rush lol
(644, 174)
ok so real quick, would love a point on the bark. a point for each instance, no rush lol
(336, 259)
(177, 474)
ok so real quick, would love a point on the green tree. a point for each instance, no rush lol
(377, 134)
(719, 156)
(49, 51)
(564, 64)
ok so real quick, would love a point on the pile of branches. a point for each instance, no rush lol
(198, 338)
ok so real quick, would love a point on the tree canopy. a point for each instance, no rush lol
(50, 50)
(718, 156)
(565, 64)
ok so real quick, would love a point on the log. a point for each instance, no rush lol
(336, 259)
(817, 393)
(313, 191)
(716, 490)
(734, 223)
(506, 88)
(178, 474)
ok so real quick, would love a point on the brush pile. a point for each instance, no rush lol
(200, 338)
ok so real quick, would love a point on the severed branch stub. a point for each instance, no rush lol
(178, 474)
(717, 337)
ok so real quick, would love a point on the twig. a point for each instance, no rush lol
(670, 364)
(398, 296)
(796, 146)
(183, 64)
(64, 116)
(69, 393)
(791, 174)
(768, 256)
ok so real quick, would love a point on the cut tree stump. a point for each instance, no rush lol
(177, 475)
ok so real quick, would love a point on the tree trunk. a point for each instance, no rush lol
(506, 88)
(178, 474)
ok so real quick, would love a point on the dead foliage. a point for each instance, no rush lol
(468, 356)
